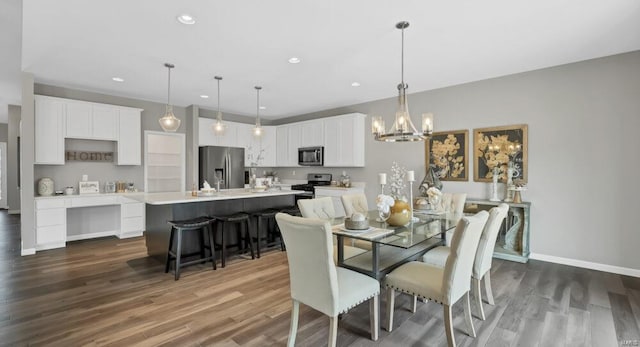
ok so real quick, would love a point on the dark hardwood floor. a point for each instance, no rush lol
(107, 292)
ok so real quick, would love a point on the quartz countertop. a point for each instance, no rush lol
(66, 196)
(228, 194)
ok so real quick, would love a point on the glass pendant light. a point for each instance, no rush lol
(257, 130)
(169, 122)
(218, 127)
(402, 129)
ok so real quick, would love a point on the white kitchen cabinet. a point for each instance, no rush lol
(336, 193)
(268, 145)
(85, 120)
(282, 145)
(205, 134)
(49, 130)
(132, 218)
(312, 133)
(344, 140)
(130, 140)
(51, 228)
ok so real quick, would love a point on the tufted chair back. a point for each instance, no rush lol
(320, 208)
(354, 203)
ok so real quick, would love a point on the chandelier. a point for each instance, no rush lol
(402, 129)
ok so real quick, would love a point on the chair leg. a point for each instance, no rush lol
(168, 264)
(223, 240)
(258, 235)
(391, 298)
(178, 254)
(333, 331)
(487, 287)
(477, 294)
(467, 316)
(248, 235)
(374, 313)
(414, 306)
(293, 330)
(448, 326)
(212, 244)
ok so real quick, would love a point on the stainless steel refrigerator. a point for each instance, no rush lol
(221, 163)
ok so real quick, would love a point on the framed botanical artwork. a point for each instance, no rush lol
(503, 149)
(447, 151)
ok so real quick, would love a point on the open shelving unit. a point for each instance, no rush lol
(164, 162)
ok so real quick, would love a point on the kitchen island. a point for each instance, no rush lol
(163, 207)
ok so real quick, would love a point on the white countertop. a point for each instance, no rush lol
(63, 196)
(185, 197)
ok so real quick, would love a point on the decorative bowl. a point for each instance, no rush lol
(259, 189)
(356, 225)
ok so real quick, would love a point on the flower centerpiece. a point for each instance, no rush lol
(400, 211)
(433, 196)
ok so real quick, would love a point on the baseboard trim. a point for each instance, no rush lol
(92, 235)
(14, 212)
(27, 251)
(586, 264)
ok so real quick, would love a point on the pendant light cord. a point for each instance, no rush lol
(218, 79)
(402, 61)
(169, 87)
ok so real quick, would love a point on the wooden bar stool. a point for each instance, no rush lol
(242, 221)
(201, 224)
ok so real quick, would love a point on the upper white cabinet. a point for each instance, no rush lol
(344, 140)
(206, 136)
(129, 142)
(91, 121)
(282, 145)
(49, 130)
(57, 119)
(311, 133)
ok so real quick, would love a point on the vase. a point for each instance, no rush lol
(400, 213)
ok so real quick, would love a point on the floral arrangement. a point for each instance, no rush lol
(398, 183)
(433, 195)
(255, 156)
(384, 203)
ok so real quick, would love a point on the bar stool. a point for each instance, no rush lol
(268, 216)
(202, 224)
(242, 221)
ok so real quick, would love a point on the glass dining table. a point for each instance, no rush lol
(386, 247)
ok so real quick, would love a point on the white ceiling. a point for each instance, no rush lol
(83, 44)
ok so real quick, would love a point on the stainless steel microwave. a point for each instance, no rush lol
(311, 156)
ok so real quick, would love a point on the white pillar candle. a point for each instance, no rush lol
(382, 178)
(411, 176)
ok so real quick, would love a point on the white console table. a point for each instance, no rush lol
(513, 239)
(90, 216)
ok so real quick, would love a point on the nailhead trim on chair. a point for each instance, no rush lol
(414, 294)
(358, 303)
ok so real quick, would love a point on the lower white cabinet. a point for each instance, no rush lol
(335, 193)
(52, 223)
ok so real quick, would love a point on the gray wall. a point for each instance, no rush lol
(4, 132)
(13, 192)
(583, 121)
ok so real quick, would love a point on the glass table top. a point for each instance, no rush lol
(426, 227)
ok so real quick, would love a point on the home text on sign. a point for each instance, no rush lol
(89, 156)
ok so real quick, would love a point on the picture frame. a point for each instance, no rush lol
(501, 146)
(88, 187)
(448, 152)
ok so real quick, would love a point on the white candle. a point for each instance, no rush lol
(411, 176)
(382, 178)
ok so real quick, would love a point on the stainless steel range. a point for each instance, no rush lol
(313, 180)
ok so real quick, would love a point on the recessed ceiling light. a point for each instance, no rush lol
(186, 19)
(263, 107)
(355, 84)
(294, 60)
(204, 96)
(118, 79)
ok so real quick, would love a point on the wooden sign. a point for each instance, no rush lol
(89, 156)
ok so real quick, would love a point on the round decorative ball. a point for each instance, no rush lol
(45, 186)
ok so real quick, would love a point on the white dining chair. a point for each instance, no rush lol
(317, 282)
(354, 203)
(446, 285)
(482, 262)
(322, 208)
(452, 203)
